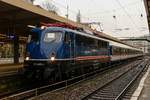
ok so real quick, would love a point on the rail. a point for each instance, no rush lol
(64, 84)
(130, 84)
(56, 86)
(102, 92)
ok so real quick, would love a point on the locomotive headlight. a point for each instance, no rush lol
(43, 27)
(52, 58)
(27, 58)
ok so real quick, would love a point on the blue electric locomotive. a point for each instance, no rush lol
(58, 53)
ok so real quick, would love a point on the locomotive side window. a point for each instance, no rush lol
(87, 46)
(52, 36)
(67, 37)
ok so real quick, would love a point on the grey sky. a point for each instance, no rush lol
(128, 21)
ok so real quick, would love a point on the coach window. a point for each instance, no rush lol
(114, 50)
(103, 44)
(96, 44)
(100, 44)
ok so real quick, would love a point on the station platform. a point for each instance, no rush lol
(145, 94)
(8, 67)
(9, 60)
(143, 90)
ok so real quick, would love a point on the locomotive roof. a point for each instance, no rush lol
(113, 43)
(78, 32)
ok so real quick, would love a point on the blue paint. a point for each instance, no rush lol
(43, 50)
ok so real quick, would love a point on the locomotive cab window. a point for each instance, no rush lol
(33, 36)
(52, 37)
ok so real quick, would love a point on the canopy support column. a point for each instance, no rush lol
(16, 49)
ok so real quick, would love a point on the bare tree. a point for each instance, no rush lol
(49, 6)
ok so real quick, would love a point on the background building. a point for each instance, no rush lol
(141, 42)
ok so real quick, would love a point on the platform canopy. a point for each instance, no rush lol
(147, 7)
(15, 15)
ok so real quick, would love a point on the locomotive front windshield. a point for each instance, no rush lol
(52, 37)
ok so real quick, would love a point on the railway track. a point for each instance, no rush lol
(43, 89)
(131, 90)
(116, 89)
(82, 89)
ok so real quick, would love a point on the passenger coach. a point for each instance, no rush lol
(120, 51)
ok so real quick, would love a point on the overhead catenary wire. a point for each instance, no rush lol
(73, 13)
(134, 24)
(69, 10)
(108, 11)
(117, 9)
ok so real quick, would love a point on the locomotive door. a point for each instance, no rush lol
(72, 47)
(70, 41)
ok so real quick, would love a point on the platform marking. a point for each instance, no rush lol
(138, 91)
